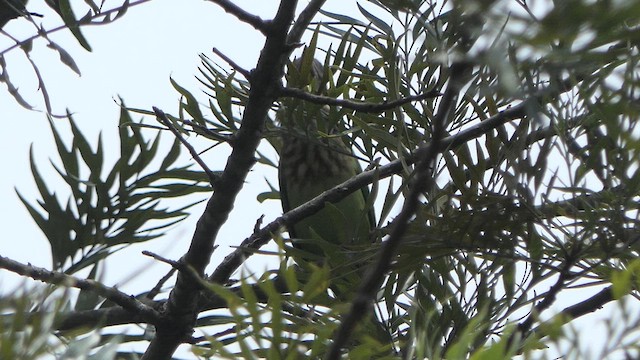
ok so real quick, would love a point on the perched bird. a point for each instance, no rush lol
(312, 160)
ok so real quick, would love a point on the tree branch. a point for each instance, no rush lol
(206, 132)
(244, 16)
(162, 117)
(589, 305)
(525, 327)
(128, 302)
(422, 181)
(355, 105)
(99, 317)
(303, 21)
(232, 261)
(584, 307)
(246, 73)
(182, 305)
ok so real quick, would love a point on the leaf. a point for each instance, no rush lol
(191, 106)
(344, 19)
(65, 57)
(456, 171)
(88, 299)
(70, 21)
(122, 9)
(317, 283)
(380, 24)
(13, 90)
(269, 195)
(102, 214)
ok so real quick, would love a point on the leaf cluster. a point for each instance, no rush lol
(534, 192)
(108, 210)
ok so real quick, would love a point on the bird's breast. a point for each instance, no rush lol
(302, 160)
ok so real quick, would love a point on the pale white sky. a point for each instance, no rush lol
(132, 58)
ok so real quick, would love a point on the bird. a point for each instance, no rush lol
(314, 159)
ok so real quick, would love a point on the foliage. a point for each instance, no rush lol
(29, 317)
(104, 215)
(533, 195)
(97, 14)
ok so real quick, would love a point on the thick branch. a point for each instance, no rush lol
(525, 327)
(589, 305)
(89, 319)
(119, 316)
(585, 307)
(182, 307)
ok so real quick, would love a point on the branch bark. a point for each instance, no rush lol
(181, 309)
(356, 105)
(232, 261)
(129, 303)
(243, 15)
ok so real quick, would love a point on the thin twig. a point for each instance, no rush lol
(162, 117)
(174, 264)
(86, 22)
(256, 226)
(246, 73)
(356, 105)
(548, 299)
(180, 266)
(208, 133)
(158, 287)
(244, 16)
(128, 302)
(582, 308)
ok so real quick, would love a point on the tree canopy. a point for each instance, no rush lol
(498, 144)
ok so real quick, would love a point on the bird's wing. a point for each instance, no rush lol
(284, 197)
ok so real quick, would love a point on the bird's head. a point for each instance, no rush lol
(308, 74)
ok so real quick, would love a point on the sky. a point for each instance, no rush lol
(132, 58)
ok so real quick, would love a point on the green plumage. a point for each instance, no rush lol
(310, 165)
(339, 235)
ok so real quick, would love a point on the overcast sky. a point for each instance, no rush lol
(132, 58)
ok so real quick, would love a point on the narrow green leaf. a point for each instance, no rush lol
(456, 171)
(191, 106)
(70, 21)
(172, 156)
(65, 57)
(344, 19)
(379, 23)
